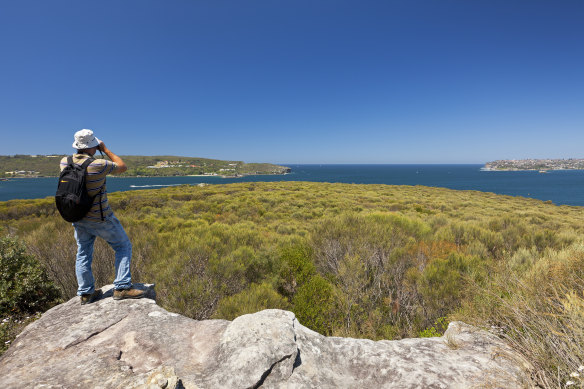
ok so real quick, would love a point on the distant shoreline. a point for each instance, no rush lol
(527, 170)
(40, 166)
(188, 175)
(541, 165)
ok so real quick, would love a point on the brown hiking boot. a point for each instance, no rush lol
(122, 294)
(89, 298)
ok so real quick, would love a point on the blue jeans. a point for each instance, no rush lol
(111, 231)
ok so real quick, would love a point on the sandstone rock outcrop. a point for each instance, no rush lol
(137, 344)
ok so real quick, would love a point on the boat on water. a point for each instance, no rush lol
(543, 171)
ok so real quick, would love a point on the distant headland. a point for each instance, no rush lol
(12, 166)
(542, 165)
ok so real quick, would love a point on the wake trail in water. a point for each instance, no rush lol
(153, 186)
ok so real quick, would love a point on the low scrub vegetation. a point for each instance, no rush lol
(374, 261)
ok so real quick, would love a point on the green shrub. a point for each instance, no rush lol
(440, 285)
(256, 298)
(296, 268)
(440, 325)
(315, 305)
(24, 286)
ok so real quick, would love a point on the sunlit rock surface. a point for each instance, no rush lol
(137, 344)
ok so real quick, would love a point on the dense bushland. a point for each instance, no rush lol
(375, 261)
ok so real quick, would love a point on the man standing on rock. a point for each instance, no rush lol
(100, 221)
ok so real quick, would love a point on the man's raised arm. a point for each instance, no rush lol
(114, 158)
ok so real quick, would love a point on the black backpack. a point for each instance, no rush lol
(72, 199)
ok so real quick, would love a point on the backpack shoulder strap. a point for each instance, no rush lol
(86, 163)
(70, 160)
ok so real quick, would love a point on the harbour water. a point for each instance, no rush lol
(562, 187)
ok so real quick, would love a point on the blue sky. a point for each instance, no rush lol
(417, 81)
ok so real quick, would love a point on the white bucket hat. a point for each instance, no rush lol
(84, 139)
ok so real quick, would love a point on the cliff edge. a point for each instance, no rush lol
(137, 344)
